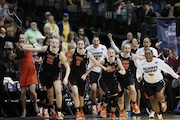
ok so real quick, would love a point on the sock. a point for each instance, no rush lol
(58, 109)
(78, 109)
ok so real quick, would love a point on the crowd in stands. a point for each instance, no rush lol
(19, 29)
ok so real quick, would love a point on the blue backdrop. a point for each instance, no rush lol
(166, 31)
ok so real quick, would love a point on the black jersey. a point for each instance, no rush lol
(79, 63)
(51, 62)
(128, 64)
(108, 76)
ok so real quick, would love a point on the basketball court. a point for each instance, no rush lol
(90, 117)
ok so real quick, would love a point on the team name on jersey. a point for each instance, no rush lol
(150, 69)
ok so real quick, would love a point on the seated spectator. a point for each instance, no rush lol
(13, 66)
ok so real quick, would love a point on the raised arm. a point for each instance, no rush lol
(113, 45)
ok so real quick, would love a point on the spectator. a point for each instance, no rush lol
(175, 11)
(9, 45)
(81, 35)
(13, 66)
(124, 17)
(97, 11)
(64, 26)
(4, 12)
(53, 26)
(3, 37)
(128, 40)
(72, 38)
(27, 24)
(145, 18)
(46, 15)
(47, 31)
(32, 33)
(134, 45)
(64, 44)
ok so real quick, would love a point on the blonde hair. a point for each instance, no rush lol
(27, 41)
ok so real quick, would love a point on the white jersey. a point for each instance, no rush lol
(141, 51)
(98, 53)
(151, 71)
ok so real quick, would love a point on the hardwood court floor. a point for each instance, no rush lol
(89, 117)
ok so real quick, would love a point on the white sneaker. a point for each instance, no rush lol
(59, 116)
(151, 113)
(159, 116)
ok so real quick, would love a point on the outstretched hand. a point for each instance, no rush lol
(84, 77)
(109, 36)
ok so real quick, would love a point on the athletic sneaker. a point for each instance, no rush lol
(103, 112)
(59, 116)
(82, 115)
(78, 115)
(40, 113)
(159, 116)
(164, 107)
(122, 114)
(46, 114)
(113, 116)
(53, 112)
(151, 113)
(135, 108)
(98, 107)
(94, 110)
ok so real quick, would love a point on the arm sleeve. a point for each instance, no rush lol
(166, 68)
(139, 71)
(115, 47)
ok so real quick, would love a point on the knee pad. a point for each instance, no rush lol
(114, 101)
(107, 97)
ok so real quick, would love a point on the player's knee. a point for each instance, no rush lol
(107, 97)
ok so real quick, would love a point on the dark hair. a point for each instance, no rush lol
(62, 35)
(95, 35)
(47, 38)
(149, 50)
(80, 39)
